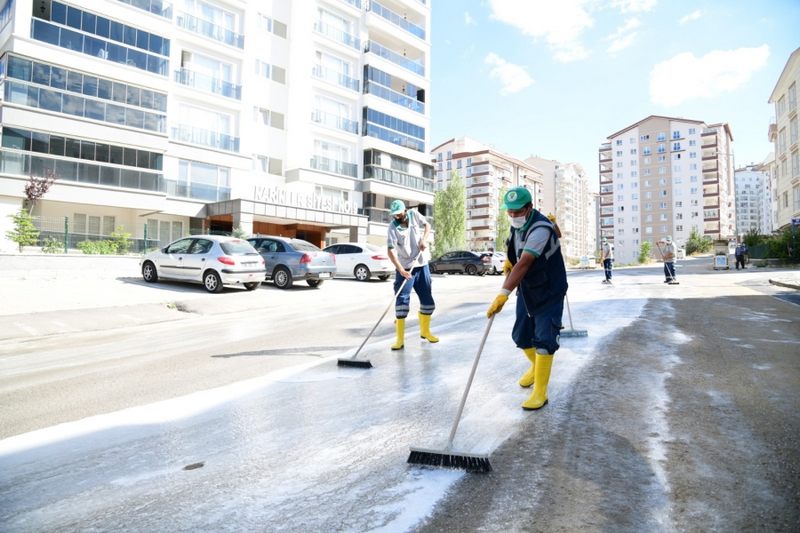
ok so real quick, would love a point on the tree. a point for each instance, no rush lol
(38, 186)
(450, 217)
(503, 224)
(698, 244)
(644, 252)
(24, 232)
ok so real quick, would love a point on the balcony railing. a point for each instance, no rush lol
(398, 178)
(157, 7)
(394, 137)
(197, 191)
(212, 139)
(332, 76)
(414, 66)
(209, 29)
(207, 83)
(334, 121)
(335, 166)
(396, 19)
(395, 97)
(337, 35)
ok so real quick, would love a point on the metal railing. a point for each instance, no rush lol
(396, 19)
(398, 59)
(335, 166)
(207, 83)
(209, 29)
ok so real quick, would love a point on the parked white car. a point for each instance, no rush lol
(212, 260)
(361, 260)
(497, 260)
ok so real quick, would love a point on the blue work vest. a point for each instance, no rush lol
(546, 279)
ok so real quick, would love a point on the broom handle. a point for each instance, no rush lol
(385, 311)
(469, 383)
(569, 313)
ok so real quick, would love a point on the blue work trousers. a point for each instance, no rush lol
(607, 266)
(669, 270)
(538, 327)
(421, 283)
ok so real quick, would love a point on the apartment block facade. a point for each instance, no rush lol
(666, 176)
(565, 194)
(784, 132)
(168, 118)
(486, 173)
(754, 192)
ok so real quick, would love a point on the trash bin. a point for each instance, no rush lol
(721, 262)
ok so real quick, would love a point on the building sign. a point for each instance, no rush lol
(280, 196)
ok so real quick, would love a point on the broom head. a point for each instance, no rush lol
(471, 462)
(356, 363)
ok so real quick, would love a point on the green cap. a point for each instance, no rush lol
(516, 198)
(397, 207)
(669, 238)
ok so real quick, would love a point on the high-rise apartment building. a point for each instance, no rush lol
(168, 118)
(753, 185)
(565, 194)
(666, 176)
(486, 173)
(785, 134)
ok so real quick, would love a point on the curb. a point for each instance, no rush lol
(788, 285)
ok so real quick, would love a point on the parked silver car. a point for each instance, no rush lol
(361, 260)
(288, 260)
(213, 260)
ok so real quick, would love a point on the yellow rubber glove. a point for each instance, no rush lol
(507, 266)
(498, 303)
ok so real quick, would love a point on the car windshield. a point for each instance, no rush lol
(238, 247)
(304, 246)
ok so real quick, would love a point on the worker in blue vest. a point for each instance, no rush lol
(538, 272)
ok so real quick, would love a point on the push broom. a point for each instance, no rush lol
(353, 361)
(447, 457)
(572, 332)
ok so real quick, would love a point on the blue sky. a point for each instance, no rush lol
(555, 78)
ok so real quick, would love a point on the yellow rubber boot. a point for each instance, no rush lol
(539, 397)
(425, 328)
(400, 326)
(527, 378)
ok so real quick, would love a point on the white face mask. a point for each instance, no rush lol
(518, 222)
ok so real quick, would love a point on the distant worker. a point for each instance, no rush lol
(741, 251)
(406, 240)
(538, 272)
(668, 256)
(607, 255)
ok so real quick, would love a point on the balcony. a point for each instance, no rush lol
(198, 191)
(203, 137)
(337, 35)
(398, 178)
(395, 97)
(334, 166)
(211, 30)
(208, 84)
(417, 67)
(336, 78)
(396, 19)
(330, 120)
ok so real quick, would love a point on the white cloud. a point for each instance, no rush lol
(686, 77)
(624, 36)
(694, 15)
(560, 23)
(633, 6)
(513, 78)
(469, 20)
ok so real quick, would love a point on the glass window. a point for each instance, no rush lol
(41, 73)
(40, 142)
(58, 13)
(100, 152)
(72, 105)
(129, 35)
(74, 81)
(71, 40)
(73, 148)
(109, 176)
(89, 22)
(116, 155)
(95, 110)
(137, 59)
(134, 118)
(104, 89)
(18, 139)
(115, 114)
(142, 159)
(19, 68)
(57, 145)
(87, 150)
(116, 32)
(90, 85)
(95, 47)
(120, 93)
(42, 31)
(116, 53)
(142, 38)
(133, 95)
(74, 17)
(159, 102)
(102, 26)
(50, 100)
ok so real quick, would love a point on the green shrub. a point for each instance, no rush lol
(52, 245)
(98, 247)
(24, 232)
(121, 240)
(697, 244)
(644, 252)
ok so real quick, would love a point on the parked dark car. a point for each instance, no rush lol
(288, 260)
(461, 261)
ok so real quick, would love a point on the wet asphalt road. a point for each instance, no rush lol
(677, 413)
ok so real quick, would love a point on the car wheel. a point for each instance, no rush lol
(314, 282)
(383, 278)
(212, 282)
(282, 278)
(471, 270)
(149, 272)
(361, 273)
(252, 286)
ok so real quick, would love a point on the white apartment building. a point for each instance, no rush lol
(785, 134)
(753, 186)
(565, 194)
(666, 176)
(485, 172)
(168, 118)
